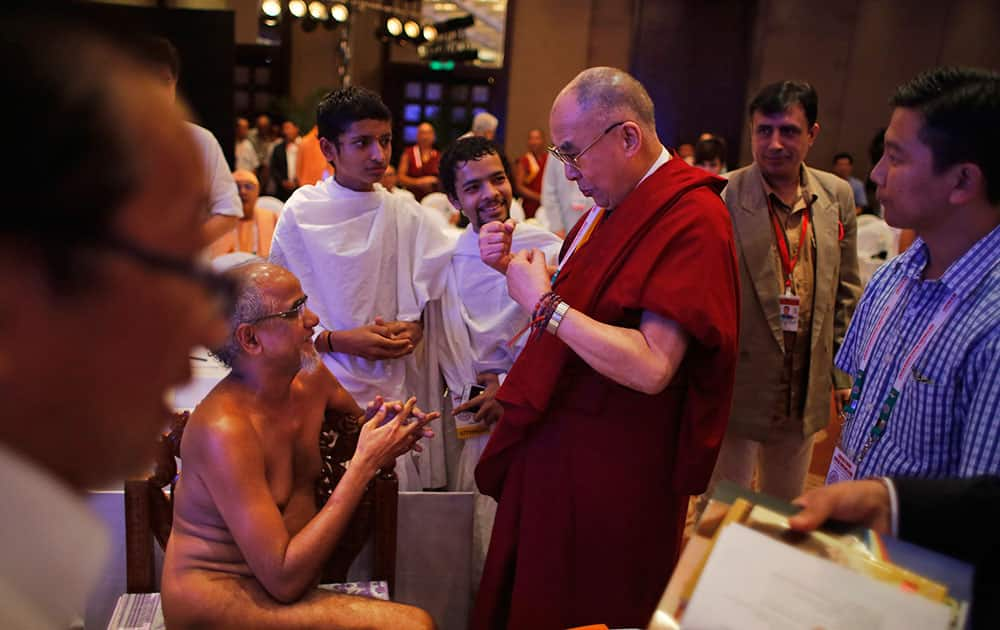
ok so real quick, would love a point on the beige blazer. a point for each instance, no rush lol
(836, 291)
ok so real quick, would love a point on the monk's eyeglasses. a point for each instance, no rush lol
(571, 158)
(295, 312)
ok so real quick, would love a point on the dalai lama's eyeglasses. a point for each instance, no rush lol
(221, 289)
(571, 158)
(295, 312)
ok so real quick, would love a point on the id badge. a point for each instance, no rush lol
(789, 312)
(842, 467)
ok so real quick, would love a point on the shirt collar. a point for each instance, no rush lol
(663, 158)
(803, 193)
(963, 275)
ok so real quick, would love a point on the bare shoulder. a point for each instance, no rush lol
(321, 383)
(219, 424)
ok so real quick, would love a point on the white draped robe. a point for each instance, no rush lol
(362, 255)
(477, 298)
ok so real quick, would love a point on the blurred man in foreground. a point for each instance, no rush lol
(103, 302)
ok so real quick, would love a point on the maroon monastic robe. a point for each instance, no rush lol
(592, 477)
(422, 168)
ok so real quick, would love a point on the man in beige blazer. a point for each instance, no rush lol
(796, 301)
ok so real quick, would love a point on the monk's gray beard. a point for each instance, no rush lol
(310, 360)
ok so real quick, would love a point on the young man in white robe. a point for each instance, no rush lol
(370, 262)
(474, 175)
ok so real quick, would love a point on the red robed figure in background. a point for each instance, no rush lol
(592, 477)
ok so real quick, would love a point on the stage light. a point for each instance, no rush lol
(297, 8)
(412, 29)
(271, 8)
(430, 33)
(394, 26)
(319, 11)
(339, 12)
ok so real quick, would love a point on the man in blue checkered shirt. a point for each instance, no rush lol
(924, 344)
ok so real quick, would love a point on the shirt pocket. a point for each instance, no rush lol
(923, 422)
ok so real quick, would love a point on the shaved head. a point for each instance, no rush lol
(253, 301)
(602, 125)
(610, 93)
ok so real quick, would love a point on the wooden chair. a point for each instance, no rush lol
(149, 509)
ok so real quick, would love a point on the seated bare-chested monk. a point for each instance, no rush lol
(248, 545)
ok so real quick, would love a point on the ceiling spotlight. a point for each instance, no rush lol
(339, 12)
(271, 8)
(297, 8)
(430, 33)
(412, 29)
(394, 26)
(319, 11)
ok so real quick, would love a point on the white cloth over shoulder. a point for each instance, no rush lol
(224, 198)
(362, 255)
(483, 318)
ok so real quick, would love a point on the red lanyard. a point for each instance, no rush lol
(787, 262)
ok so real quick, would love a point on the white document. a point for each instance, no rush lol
(753, 581)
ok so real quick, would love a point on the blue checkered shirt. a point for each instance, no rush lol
(946, 422)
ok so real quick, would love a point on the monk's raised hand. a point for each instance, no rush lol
(373, 408)
(383, 440)
(528, 278)
(495, 240)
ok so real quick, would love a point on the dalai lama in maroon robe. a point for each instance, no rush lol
(613, 417)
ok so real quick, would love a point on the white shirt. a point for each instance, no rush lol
(563, 202)
(877, 244)
(292, 157)
(52, 548)
(224, 198)
(246, 156)
(660, 161)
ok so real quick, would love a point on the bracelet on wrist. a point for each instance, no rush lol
(552, 326)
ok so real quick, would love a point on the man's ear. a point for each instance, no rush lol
(632, 136)
(329, 149)
(246, 336)
(813, 133)
(968, 183)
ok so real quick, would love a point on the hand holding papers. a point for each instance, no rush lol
(744, 567)
(753, 581)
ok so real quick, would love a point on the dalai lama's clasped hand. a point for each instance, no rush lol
(494, 244)
(528, 278)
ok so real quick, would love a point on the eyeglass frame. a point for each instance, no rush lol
(298, 308)
(572, 160)
(217, 285)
